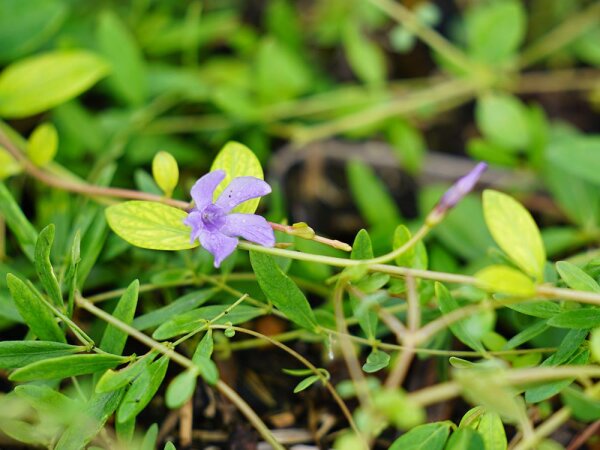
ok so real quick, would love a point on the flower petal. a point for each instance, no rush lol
(220, 245)
(203, 189)
(194, 220)
(250, 227)
(241, 189)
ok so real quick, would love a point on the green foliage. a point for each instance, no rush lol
(99, 337)
(38, 83)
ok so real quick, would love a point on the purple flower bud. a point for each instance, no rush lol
(215, 226)
(457, 191)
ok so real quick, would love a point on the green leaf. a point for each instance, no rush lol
(112, 380)
(181, 388)
(43, 266)
(584, 407)
(373, 200)
(208, 369)
(546, 390)
(17, 222)
(280, 73)
(149, 441)
(49, 401)
(15, 354)
(595, 344)
(398, 408)
(492, 430)
(282, 291)
(376, 361)
(579, 156)
(113, 339)
(142, 390)
(66, 366)
(150, 225)
(503, 120)
(118, 46)
(37, 315)
(170, 446)
(495, 30)
(165, 172)
(506, 280)
(42, 144)
(576, 278)
(35, 84)
(363, 55)
(38, 21)
(583, 318)
(459, 329)
(237, 160)
(401, 236)
(431, 436)
(537, 308)
(515, 232)
(179, 306)
(193, 320)
(526, 335)
(465, 439)
(408, 145)
(306, 383)
(97, 411)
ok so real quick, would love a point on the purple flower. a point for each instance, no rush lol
(457, 191)
(215, 226)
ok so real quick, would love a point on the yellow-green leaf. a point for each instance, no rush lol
(237, 160)
(42, 144)
(165, 172)
(150, 225)
(35, 84)
(507, 280)
(515, 232)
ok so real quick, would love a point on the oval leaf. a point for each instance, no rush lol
(150, 225)
(576, 278)
(431, 436)
(41, 82)
(515, 232)
(237, 160)
(181, 389)
(507, 280)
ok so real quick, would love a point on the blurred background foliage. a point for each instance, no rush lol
(360, 110)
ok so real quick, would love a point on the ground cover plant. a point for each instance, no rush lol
(342, 224)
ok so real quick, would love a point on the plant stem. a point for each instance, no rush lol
(221, 386)
(546, 291)
(304, 361)
(546, 428)
(561, 36)
(436, 41)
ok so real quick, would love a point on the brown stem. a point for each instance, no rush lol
(100, 191)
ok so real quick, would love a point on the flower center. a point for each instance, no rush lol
(213, 218)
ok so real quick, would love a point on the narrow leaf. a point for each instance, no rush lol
(282, 291)
(34, 311)
(113, 339)
(142, 390)
(43, 266)
(583, 318)
(15, 354)
(17, 222)
(431, 436)
(66, 366)
(576, 278)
